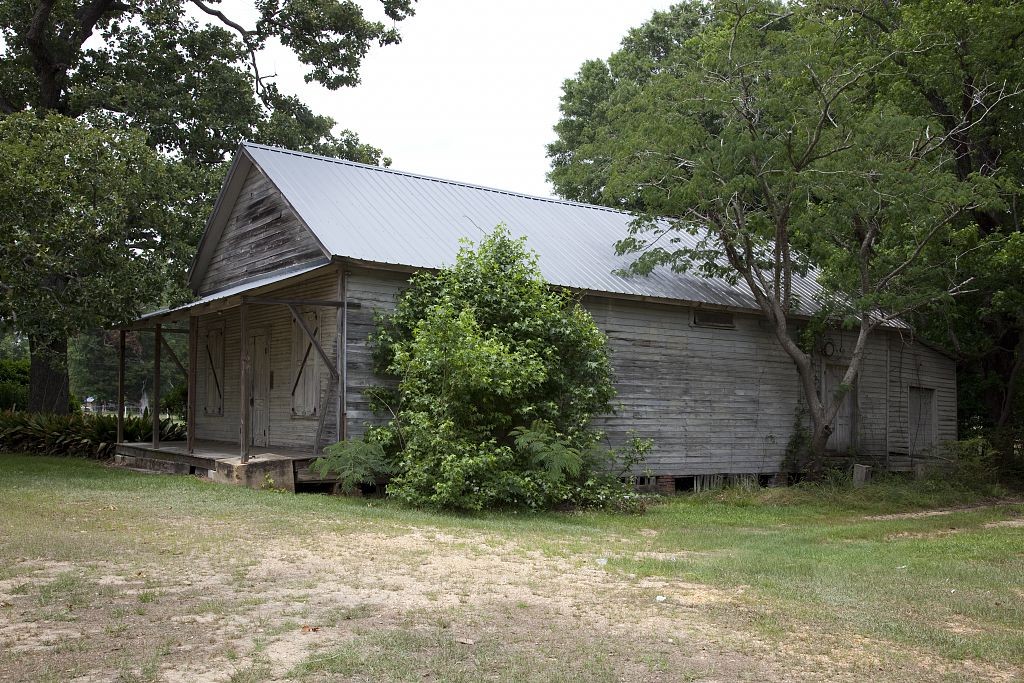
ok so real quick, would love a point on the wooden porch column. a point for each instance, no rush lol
(341, 348)
(193, 368)
(120, 386)
(158, 340)
(245, 384)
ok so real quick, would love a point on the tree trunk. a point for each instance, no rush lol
(48, 376)
(820, 433)
(1013, 381)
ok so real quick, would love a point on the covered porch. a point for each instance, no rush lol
(240, 372)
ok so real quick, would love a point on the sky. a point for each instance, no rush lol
(472, 92)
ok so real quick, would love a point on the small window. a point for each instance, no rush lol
(710, 318)
(214, 376)
(306, 367)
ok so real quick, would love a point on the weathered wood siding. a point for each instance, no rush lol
(262, 235)
(284, 429)
(915, 365)
(374, 291)
(869, 395)
(715, 400)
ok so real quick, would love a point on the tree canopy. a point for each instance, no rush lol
(179, 77)
(194, 86)
(777, 132)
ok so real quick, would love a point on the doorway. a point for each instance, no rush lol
(259, 395)
(841, 439)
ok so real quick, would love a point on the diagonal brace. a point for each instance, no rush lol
(302, 365)
(313, 340)
(173, 355)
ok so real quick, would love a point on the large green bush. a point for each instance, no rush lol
(498, 377)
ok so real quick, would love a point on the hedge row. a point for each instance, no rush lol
(89, 436)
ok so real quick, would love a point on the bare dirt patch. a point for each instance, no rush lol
(402, 606)
(1016, 522)
(913, 535)
(942, 511)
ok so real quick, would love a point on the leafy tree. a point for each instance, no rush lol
(764, 136)
(93, 365)
(83, 209)
(956, 67)
(498, 378)
(194, 89)
(581, 156)
(962, 65)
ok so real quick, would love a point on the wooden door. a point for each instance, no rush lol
(841, 439)
(921, 414)
(259, 396)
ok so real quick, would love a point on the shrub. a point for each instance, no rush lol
(89, 436)
(13, 395)
(974, 461)
(354, 464)
(175, 401)
(498, 377)
(13, 383)
(14, 371)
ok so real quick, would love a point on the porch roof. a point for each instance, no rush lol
(230, 297)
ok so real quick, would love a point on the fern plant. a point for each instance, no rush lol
(354, 464)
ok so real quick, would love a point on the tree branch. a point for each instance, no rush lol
(88, 15)
(224, 19)
(885, 280)
(35, 37)
(250, 38)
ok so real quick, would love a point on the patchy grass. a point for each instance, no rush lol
(114, 575)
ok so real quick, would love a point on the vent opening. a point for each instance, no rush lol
(712, 318)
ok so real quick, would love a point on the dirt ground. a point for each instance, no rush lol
(416, 604)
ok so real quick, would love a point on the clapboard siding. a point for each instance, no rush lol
(374, 292)
(285, 429)
(261, 235)
(869, 395)
(912, 364)
(715, 401)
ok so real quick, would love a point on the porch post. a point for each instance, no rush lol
(193, 368)
(245, 382)
(120, 386)
(158, 339)
(341, 348)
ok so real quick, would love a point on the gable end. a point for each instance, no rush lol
(261, 234)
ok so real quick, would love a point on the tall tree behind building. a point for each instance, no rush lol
(94, 69)
(957, 65)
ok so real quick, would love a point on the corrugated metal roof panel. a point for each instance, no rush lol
(279, 277)
(390, 217)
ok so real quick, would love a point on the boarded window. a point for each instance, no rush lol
(214, 375)
(710, 318)
(922, 420)
(306, 367)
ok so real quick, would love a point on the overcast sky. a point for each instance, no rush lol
(472, 91)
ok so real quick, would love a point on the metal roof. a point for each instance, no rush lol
(247, 287)
(386, 216)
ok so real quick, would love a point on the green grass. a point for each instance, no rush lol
(404, 654)
(799, 560)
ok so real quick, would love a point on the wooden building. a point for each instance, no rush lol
(301, 251)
